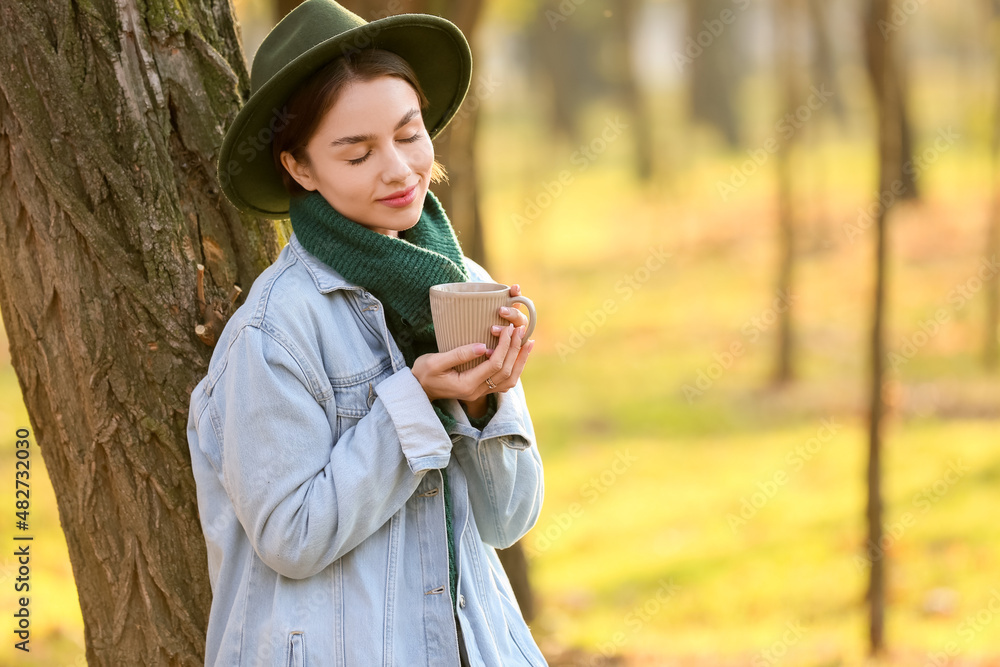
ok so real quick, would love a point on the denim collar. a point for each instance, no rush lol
(324, 276)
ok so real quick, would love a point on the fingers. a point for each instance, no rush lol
(507, 368)
(501, 363)
(494, 364)
(515, 374)
(459, 356)
(512, 315)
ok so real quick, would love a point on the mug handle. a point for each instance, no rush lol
(531, 313)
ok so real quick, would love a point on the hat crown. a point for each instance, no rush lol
(306, 26)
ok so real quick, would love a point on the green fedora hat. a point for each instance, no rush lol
(310, 36)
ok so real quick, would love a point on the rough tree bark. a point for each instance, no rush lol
(111, 116)
(885, 84)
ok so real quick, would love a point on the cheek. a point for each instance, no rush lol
(424, 154)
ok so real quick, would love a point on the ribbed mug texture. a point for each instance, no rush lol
(464, 312)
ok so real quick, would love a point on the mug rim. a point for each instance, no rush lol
(496, 287)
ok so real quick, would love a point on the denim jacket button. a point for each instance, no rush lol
(461, 601)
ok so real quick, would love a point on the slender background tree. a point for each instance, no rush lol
(788, 16)
(882, 61)
(991, 335)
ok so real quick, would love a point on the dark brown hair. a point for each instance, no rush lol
(310, 103)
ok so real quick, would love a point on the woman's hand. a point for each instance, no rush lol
(439, 379)
(512, 315)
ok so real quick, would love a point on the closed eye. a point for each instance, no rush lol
(407, 140)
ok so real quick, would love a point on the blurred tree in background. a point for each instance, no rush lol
(716, 66)
(991, 335)
(889, 92)
(788, 17)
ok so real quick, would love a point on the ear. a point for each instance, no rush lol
(298, 170)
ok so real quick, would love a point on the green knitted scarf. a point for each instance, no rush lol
(399, 272)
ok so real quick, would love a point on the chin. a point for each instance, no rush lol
(400, 229)
(410, 221)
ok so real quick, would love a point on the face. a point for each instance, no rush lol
(371, 156)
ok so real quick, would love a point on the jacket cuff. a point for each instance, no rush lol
(509, 422)
(422, 437)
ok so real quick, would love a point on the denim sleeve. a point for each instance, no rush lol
(504, 472)
(303, 500)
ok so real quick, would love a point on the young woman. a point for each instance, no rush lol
(352, 484)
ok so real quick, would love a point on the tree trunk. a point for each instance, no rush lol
(623, 24)
(111, 116)
(991, 337)
(824, 69)
(786, 19)
(564, 73)
(885, 80)
(824, 54)
(878, 33)
(713, 67)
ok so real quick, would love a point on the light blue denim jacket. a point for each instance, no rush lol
(317, 460)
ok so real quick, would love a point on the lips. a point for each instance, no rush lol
(398, 195)
(401, 198)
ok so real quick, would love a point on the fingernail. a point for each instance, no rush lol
(504, 310)
(495, 328)
(520, 331)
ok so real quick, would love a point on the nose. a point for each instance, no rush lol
(396, 168)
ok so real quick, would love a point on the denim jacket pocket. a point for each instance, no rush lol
(355, 395)
(296, 649)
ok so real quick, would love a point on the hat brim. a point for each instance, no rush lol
(434, 47)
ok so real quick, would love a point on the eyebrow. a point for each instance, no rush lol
(360, 138)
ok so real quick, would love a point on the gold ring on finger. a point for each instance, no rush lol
(489, 383)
